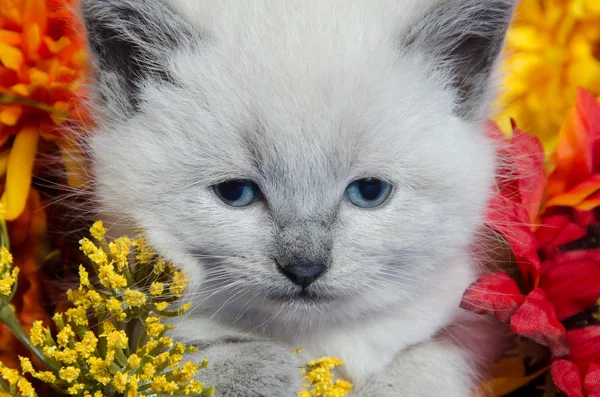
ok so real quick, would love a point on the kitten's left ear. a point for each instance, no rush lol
(465, 38)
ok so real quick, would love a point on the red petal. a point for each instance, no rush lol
(494, 294)
(536, 320)
(585, 346)
(521, 172)
(591, 383)
(567, 378)
(510, 219)
(571, 281)
(557, 230)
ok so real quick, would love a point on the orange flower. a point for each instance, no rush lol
(575, 180)
(42, 60)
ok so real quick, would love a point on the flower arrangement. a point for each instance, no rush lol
(546, 210)
(106, 360)
(549, 216)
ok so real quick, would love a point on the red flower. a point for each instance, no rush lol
(552, 225)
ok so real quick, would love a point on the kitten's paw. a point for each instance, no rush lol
(251, 369)
(431, 369)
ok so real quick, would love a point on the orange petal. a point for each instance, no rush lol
(18, 172)
(33, 40)
(11, 114)
(578, 194)
(593, 201)
(11, 38)
(11, 57)
(20, 89)
(74, 161)
(58, 45)
(35, 13)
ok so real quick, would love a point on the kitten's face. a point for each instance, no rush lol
(299, 117)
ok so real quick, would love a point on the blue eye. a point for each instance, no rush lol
(237, 193)
(368, 192)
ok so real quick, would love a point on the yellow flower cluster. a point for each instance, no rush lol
(14, 384)
(552, 49)
(9, 274)
(319, 379)
(94, 354)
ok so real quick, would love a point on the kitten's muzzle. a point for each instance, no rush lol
(303, 272)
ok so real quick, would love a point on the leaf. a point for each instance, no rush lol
(499, 387)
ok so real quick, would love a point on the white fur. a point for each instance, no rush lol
(318, 94)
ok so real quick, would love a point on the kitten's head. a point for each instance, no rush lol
(297, 156)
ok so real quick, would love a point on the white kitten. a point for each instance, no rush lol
(318, 168)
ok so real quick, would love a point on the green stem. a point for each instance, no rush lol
(4, 241)
(3, 384)
(8, 318)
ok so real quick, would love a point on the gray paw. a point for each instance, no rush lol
(251, 369)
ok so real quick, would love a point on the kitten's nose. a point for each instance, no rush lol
(303, 273)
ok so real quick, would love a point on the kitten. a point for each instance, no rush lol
(318, 168)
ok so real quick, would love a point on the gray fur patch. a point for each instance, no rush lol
(466, 37)
(130, 41)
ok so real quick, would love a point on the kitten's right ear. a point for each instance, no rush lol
(129, 41)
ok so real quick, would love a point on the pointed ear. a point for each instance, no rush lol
(130, 41)
(464, 39)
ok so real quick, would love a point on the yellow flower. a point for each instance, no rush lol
(26, 366)
(95, 299)
(134, 360)
(26, 388)
(134, 298)
(184, 308)
(120, 250)
(145, 253)
(65, 356)
(159, 267)
(46, 376)
(161, 306)
(37, 334)
(196, 387)
(109, 278)
(148, 372)
(83, 277)
(94, 253)
(6, 258)
(175, 359)
(87, 346)
(78, 316)
(70, 374)
(179, 284)
(319, 378)
(98, 230)
(98, 370)
(116, 339)
(132, 389)
(65, 336)
(79, 298)
(154, 326)
(162, 385)
(157, 288)
(76, 389)
(7, 272)
(10, 375)
(119, 382)
(188, 371)
(551, 51)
